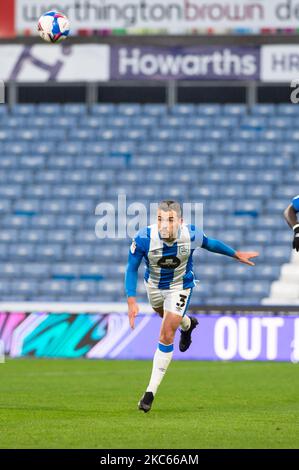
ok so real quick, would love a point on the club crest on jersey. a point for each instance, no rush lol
(184, 250)
(169, 262)
(133, 247)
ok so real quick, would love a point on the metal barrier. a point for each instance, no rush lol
(171, 90)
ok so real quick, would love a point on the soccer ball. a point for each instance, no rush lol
(53, 26)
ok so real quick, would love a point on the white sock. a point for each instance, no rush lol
(162, 359)
(185, 323)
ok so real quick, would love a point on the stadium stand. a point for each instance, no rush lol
(59, 161)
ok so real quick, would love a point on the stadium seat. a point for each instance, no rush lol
(227, 121)
(26, 206)
(129, 109)
(33, 161)
(287, 109)
(7, 235)
(216, 134)
(232, 190)
(209, 109)
(259, 190)
(79, 251)
(97, 271)
(226, 161)
(5, 206)
(263, 110)
(26, 287)
(48, 251)
(239, 272)
(21, 251)
(190, 133)
(272, 134)
(234, 147)
(253, 122)
(84, 287)
(35, 270)
(280, 122)
(229, 287)
(60, 236)
(12, 221)
(54, 206)
(24, 109)
(174, 121)
(73, 109)
(154, 109)
(199, 122)
(6, 134)
(10, 270)
(54, 287)
(34, 235)
(15, 175)
(144, 121)
(103, 109)
(3, 110)
(210, 272)
(44, 220)
(14, 121)
(235, 109)
(268, 271)
(256, 288)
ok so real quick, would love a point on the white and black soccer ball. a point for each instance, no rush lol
(53, 26)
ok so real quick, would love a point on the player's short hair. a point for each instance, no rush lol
(168, 205)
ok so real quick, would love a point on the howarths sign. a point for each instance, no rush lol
(279, 62)
(197, 63)
(63, 62)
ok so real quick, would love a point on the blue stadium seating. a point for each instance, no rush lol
(240, 163)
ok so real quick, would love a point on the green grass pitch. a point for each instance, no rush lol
(93, 404)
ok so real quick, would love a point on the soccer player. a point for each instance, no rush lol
(290, 214)
(167, 248)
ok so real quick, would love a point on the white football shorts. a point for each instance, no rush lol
(174, 301)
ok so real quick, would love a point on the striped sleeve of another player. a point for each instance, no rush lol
(295, 203)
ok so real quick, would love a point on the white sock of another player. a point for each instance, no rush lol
(162, 359)
(185, 323)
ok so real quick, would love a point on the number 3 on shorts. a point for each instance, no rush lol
(182, 301)
(178, 301)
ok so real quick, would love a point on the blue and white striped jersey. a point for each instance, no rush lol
(168, 265)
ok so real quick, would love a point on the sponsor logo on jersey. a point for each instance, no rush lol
(168, 262)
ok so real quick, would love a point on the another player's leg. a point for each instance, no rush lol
(162, 358)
